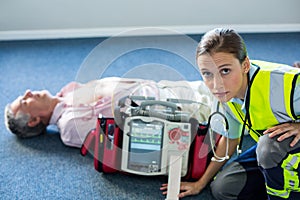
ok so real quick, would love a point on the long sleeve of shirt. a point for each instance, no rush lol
(77, 115)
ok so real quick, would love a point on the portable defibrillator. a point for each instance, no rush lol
(143, 136)
(150, 139)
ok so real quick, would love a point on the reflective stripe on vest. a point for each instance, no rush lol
(290, 166)
(271, 91)
(279, 193)
(290, 175)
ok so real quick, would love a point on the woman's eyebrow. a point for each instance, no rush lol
(224, 65)
(203, 69)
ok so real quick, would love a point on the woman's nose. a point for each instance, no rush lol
(218, 82)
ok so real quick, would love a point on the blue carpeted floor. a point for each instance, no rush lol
(42, 167)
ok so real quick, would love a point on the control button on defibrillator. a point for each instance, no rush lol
(175, 134)
(153, 168)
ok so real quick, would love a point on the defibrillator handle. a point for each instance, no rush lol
(171, 105)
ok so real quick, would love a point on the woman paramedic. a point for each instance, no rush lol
(259, 97)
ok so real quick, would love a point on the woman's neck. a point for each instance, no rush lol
(242, 93)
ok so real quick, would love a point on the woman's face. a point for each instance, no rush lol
(224, 75)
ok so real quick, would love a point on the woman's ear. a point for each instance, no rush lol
(33, 121)
(246, 65)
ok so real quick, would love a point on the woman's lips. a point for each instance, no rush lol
(220, 94)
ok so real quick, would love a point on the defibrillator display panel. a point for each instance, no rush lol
(145, 143)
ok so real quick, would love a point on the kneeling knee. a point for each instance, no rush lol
(218, 190)
(268, 155)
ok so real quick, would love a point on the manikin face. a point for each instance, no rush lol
(224, 75)
(36, 104)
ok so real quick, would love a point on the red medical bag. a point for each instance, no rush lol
(105, 144)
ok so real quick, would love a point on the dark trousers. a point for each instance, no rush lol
(242, 178)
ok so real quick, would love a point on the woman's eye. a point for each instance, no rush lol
(206, 74)
(225, 71)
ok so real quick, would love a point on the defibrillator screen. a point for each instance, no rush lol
(145, 145)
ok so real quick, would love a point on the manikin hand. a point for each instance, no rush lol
(70, 87)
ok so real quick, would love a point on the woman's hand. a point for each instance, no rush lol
(193, 188)
(285, 130)
(186, 188)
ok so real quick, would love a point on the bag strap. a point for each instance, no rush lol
(89, 143)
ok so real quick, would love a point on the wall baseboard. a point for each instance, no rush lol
(141, 31)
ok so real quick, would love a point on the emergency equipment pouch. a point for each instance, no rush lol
(115, 147)
(105, 144)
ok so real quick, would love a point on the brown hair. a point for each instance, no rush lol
(222, 40)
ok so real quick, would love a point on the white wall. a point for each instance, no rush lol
(27, 19)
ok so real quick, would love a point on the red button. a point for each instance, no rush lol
(175, 134)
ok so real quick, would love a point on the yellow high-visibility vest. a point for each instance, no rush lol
(270, 98)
